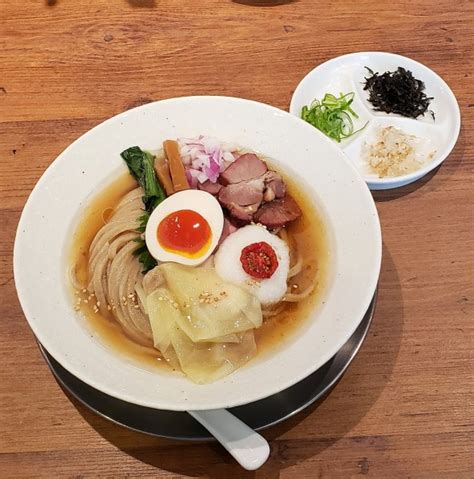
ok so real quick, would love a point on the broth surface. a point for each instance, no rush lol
(307, 234)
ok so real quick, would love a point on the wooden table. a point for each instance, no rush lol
(405, 407)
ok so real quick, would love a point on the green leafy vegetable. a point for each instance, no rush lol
(140, 163)
(332, 115)
(141, 166)
(144, 256)
(143, 220)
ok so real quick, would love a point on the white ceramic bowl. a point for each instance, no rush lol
(51, 212)
(346, 73)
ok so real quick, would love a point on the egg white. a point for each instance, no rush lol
(228, 265)
(199, 201)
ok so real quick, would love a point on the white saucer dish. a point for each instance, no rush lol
(53, 208)
(346, 74)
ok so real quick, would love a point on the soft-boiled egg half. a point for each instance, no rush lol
(185, 228)
(257, 260)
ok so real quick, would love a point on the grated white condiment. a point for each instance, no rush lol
(396, 153)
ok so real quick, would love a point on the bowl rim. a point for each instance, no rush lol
(252, 396)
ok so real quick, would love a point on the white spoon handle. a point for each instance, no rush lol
(245, 445)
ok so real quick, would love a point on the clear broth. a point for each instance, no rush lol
(308, 234)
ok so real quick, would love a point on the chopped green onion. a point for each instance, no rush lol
(332, 115)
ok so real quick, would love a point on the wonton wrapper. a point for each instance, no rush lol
(211, 307)
(204, 361)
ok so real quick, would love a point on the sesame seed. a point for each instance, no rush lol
(98, 304)
(86, 301)
(136, 306)
(109, 307)
(84, 290)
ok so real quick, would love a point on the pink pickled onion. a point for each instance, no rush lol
(204, 158)
(213, 171)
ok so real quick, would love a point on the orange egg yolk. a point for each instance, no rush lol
(184, 232)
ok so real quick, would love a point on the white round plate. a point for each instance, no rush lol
(346, 74)
(51, 212)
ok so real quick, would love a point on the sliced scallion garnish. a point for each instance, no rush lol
(332, 115)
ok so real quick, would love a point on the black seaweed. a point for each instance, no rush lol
(397, 92)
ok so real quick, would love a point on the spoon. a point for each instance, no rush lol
(245, 445)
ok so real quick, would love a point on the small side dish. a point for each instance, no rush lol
(399, 121)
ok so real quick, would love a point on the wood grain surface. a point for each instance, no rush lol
(405, 408)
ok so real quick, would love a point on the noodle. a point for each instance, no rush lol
(283, 234)
(295, 297)
(106, 214)
(270, 313)
(114, 270)
(76, 283)
(297, 267)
